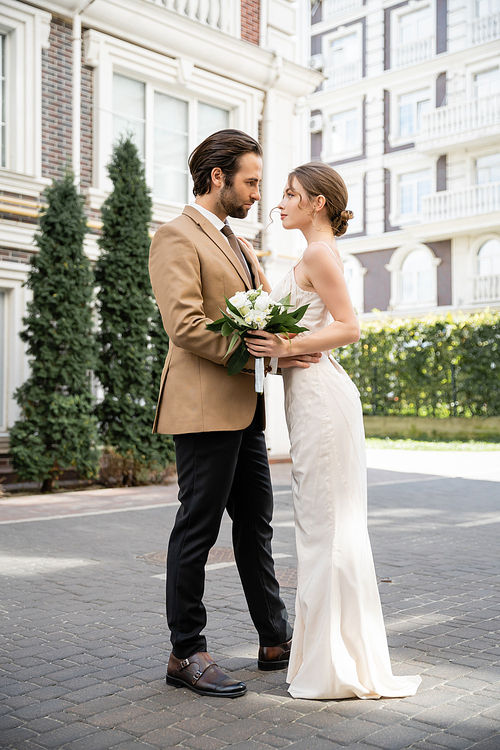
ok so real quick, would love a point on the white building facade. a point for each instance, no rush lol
(409, 115)
(75, 75)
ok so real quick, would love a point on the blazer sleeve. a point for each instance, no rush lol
(175, 272)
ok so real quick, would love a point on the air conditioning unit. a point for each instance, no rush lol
(316, 123)
(316, 62)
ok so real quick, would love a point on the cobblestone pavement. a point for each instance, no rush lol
(84, 642)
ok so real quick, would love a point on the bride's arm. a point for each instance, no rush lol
(266, 286)
(324, 275)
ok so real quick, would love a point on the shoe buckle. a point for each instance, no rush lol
(184, 663)
(197, 676)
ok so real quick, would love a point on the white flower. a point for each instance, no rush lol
(262, 302)
(239, 299)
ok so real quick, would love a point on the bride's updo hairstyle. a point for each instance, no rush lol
(320, 179)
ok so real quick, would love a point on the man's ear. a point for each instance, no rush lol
(217, 177)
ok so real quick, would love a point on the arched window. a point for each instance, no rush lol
(486, 282)
(488, 258)
(417, 278)
(413, 272)
(354, 275)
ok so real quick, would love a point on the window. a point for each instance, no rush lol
(171, 148)
(345, 134)
(3, 40)
(165, 129)
(413, 26)
(488, 169)
(343, 59)
(412, 187)
(487, 83)
(487, 8)
(413, 37)
(411, 108)
(416, 277)
(488, 258)
(354, 275)
(129, 110)
(355, 204)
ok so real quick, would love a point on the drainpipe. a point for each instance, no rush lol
(77, 93)
(268, 125)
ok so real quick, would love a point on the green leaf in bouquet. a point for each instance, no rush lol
(238, 360)
(216, 325)
(227, 329)
(232, 345)
(299, 313)
(286, 300)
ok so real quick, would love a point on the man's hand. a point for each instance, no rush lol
(301, 360)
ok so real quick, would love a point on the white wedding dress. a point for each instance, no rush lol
(339, 647)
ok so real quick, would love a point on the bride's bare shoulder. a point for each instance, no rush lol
(321, 253)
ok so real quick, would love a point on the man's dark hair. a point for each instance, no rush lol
(224, 150)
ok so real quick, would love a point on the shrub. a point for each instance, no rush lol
(437, 366)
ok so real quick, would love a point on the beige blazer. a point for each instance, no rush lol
(192, 268)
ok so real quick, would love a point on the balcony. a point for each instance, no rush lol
(486, 289)
(456, 204)
(342, 75)
(485, 29)
(219, 14)
(412, 53)
(334, 8)
(477, 120)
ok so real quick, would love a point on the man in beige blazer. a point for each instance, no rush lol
(216, 420)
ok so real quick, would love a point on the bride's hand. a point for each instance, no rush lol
(264, 344)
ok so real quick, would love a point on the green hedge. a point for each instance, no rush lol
(432, 367)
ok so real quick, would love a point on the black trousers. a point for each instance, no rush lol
(218, 471)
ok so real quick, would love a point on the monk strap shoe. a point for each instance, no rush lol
(201, 674)
(274, 657)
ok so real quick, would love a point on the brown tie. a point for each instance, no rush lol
(235, 245)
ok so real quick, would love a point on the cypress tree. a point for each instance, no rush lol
(57, 430)
(130, 341)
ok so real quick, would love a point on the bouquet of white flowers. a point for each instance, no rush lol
(254, 310)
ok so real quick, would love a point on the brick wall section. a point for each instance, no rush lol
(86, 125)
(250, 21)
(56, 100)
(15, 256)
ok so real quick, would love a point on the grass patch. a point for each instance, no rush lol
(429, 444)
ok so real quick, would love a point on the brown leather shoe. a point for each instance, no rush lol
(201, 674)
(274, 657)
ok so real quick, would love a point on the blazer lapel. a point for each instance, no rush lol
(221, 243)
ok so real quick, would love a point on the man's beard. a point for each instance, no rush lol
(231, 204)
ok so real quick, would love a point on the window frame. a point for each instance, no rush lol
(340, 33)
(357, 150)
(395, 266)
(177, 77)
(27, 32)
(404, 10)
(401, 89)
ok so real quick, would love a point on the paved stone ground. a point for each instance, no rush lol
(84, 641)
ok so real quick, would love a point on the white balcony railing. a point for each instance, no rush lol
(219, 14)
(485, 29)
(342, 75)
(453, 120)
(455, 204)
(334, 8)
(486, 288)
(412, 53)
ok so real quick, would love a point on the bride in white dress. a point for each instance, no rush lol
(339, 647)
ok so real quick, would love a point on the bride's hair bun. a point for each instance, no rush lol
(340, 224)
